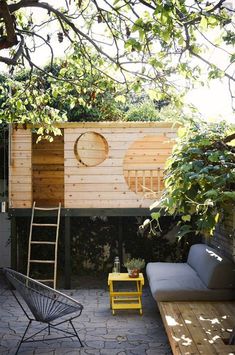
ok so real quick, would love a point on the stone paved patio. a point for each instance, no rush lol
(126, 333)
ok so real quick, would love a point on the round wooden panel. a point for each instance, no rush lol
(91, 148)
(144, 163)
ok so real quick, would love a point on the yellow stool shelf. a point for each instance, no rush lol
(125, 299)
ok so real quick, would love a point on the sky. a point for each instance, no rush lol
(213, 102)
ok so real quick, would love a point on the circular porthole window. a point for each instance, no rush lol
(91, 149)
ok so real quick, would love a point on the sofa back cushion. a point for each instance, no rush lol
(215, 270)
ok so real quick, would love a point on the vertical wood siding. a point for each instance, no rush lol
(48, 171)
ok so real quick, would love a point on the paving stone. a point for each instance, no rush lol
(140, 336)
(95, 344)
(92, 351)
(158, 352)
(126, 333)
(44, 352)
(112, 352)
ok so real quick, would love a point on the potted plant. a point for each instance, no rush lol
(134, 266)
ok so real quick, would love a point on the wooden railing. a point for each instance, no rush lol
(148, 181)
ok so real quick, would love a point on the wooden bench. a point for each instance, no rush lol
(199, 327)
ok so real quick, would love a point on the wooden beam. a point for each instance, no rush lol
(67, 250)
(13, 243)
(120, 239)
(113, 124)
(87, 212)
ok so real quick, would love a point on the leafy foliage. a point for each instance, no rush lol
(199, 178)
(79, 95)
(95, 243)
(28, 103)
(145, 111)
(136, 42)
(152, 110)
(134, 263)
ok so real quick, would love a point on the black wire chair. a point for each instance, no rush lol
(43, 304)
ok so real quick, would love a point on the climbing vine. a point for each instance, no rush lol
(200, 178)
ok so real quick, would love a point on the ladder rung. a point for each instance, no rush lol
(52, 241)
(42, 242)
(43, 261)
(47, 209)
(44, 224)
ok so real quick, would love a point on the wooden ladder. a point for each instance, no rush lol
(53, 243)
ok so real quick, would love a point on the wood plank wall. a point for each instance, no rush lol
(20, 169)
(48, 171)
(104, 185)
(144, 164)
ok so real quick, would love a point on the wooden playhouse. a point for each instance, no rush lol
(112, 165)
(92, 168)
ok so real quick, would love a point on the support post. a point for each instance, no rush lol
(120, 240)
(67, 247)
(13, 243)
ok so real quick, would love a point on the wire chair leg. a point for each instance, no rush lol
(232, 337)
(76, 333)
(22, 339)
(49, 329)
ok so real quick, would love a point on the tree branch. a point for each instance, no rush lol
(59, 15)
(18, 53)
(229, 138)
(209, 64)
(10, 39)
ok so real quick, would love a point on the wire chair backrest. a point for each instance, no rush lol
(45, 303)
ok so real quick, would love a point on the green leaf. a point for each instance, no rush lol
(186, 218)
(156, 215)
(229, 195)
(120, 98)
(217, 217)
(211, 194)
(203, 23)
(185, 229)
(155, 95)
(215, 157)
(133, 44)
(164, 17)
(232, 58)
(166, 36)
(204, 142)
(19, 104)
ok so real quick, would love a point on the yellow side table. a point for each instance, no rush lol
(125, 299)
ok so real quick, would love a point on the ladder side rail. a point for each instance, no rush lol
(30, 239)
(56, 244)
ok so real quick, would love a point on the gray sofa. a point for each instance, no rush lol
(206, 276)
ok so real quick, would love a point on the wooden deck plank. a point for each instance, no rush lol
(214, 320)
(199, 327)
(198, 335)
(178, 334)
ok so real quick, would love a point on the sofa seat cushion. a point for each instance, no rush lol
(179, 282)
(169, 271)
